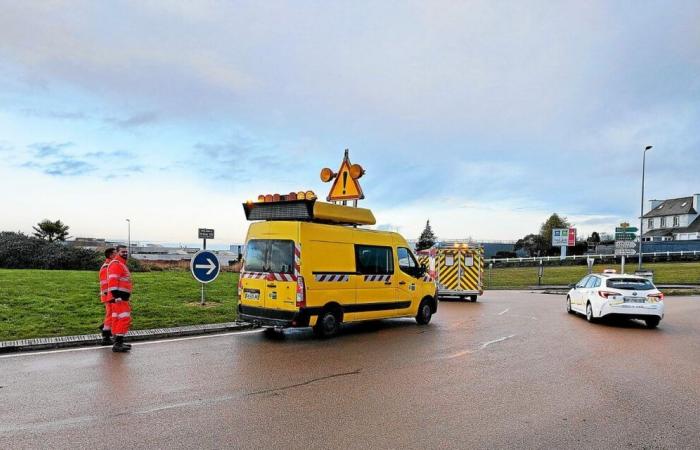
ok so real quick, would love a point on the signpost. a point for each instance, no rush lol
(206, 233)
(205, 268)
(625, 245)
(204, 265)
(346, 185)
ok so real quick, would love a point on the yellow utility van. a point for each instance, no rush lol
(307, 264)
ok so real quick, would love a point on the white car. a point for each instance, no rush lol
(616, 295)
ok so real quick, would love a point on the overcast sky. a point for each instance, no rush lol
(484, 117)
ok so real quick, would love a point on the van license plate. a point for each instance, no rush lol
(252, 295)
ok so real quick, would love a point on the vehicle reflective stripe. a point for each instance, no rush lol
(332, 277)
(297, 259)
(384, 278)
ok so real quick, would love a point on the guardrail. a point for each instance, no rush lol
(584, 257)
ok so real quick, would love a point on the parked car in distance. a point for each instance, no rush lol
(616, 295)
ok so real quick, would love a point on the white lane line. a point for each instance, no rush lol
(486, 344)
(504, 311)
(135, 344)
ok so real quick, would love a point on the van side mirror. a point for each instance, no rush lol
(420, 271)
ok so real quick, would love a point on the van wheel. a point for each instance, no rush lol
(328, 324)
(425, 312)
(472, 298)
(652, 322)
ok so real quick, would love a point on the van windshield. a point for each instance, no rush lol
(270, 255)
(632, 284)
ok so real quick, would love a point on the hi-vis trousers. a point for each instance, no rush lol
(121, 317)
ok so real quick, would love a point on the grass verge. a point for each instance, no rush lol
(45, 303)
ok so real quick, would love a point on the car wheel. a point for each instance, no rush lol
(425, 312)
(328, 324)
(589, 313)
(568, 305)
(652, 322)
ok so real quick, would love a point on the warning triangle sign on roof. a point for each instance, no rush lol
(345, 186)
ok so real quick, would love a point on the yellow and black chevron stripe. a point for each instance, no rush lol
(448, 276)
(471, 275)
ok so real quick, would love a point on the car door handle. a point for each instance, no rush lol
(402, 282)
(387, 282)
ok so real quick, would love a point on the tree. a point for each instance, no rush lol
(427, 238)
(595, 237)
(554, 221)
(532, 244)
(51, 231)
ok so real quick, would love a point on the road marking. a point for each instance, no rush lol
(135, 344)
(486, 344)
(504, 311)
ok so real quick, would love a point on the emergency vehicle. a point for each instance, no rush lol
(457, 268)
(309, 263)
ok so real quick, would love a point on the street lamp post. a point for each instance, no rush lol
(641, 208)
(128, 242)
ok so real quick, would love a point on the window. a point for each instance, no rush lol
(407, 263)
(583, 281)
(650, 224)
(371, 260)
(663, 222)
(270, 255)
(676, 221)
(591, 282)
(632, 284)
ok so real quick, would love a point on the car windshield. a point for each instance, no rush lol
(632, 284)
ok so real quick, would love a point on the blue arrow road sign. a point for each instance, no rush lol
(205, 266)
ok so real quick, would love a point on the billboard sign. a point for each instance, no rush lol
(563, 237)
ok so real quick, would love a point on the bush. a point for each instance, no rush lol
(19, 251)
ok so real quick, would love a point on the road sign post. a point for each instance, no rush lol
(624, 243)
(205, 268)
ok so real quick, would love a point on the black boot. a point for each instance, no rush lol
(106, 337)
(119, 346)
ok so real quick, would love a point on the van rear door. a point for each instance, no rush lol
(270, 278)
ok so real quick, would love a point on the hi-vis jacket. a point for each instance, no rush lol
(104, 292)
(118, 279)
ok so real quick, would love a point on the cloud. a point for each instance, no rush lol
(52, 114)
(50, 149)
(134, 121)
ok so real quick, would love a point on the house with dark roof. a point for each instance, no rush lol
(675, 219)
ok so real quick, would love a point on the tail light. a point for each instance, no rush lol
(658, 297)
(301, 292)
(606, 294)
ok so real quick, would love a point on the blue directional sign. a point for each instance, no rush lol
(205, 266)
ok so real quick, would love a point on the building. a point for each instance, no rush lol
(88, 243)
(675, 219)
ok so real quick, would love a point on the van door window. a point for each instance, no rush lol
(270, 255)
(374, 260)
(407, 262)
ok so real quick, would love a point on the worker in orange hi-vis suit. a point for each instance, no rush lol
(105, 298)
(119, 287)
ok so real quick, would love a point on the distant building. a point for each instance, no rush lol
(675, 219)
(88, 243)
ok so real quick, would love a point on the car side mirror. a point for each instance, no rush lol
(573, 285)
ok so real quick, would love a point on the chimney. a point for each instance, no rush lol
(654, 203)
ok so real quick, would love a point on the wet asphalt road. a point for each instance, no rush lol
(513, 370)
